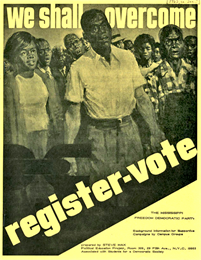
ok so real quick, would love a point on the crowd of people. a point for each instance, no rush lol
(129, 96)
(122, 97)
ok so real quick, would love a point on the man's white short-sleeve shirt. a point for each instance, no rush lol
(107, 90)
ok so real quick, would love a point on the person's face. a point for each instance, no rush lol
(146, 51)
(86, 44)
(44, 54)
(120, 44)
(99, 33)
(7, 65)
(174, 46)
(61, 58)
(27, 58)
(76, 48)
(191, 48)
(129, 46)
(157, 54)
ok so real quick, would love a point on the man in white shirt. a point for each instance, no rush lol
(109, 83)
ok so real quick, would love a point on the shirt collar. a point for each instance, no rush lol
(41, 69)
(63, 70)
(96, 56)
(165, 67)
(47, 71)
(187, 66)
(44, 70)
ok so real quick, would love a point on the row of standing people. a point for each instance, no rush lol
(189, 54)
(35, 105)
(34, 88)
(171, 80)
(169, 67)
(34, 110)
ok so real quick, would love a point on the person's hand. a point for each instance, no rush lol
(156, 139)
(155, 144)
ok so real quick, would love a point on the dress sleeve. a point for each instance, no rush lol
(74, 86)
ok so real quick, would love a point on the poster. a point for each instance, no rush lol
(162, 218)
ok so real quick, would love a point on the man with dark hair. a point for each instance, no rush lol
(54, 106)
(128, 45)
(74, 48)
(157, 53)
(44, 53)
(109, 83)
(191, 50)
(168, 35)
(59, 70)
(174, 86)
